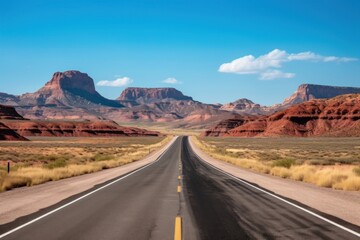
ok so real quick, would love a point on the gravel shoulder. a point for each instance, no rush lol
(26, 200)
(341, 204)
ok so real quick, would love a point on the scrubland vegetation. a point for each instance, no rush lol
(326, 162)
(51, 159)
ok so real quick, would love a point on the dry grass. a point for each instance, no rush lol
(325, 162)
(51, 159)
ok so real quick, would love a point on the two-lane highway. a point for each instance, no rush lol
(141, 206)
(144, 204)
(225, 208)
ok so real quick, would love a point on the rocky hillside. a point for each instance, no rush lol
(152, 95)
(13, 127)
(7, 134)
(75, 129)
(223, 127)
(339, 116)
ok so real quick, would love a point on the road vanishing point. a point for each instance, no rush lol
(179, 196)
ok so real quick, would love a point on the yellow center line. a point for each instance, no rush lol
(178, 230)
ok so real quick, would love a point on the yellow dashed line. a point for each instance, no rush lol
(177, 234)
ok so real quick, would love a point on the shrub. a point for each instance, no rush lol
(59, 162)
(101, 157)
(356, 170)
(286, 163)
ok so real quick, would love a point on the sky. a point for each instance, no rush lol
(215, 51)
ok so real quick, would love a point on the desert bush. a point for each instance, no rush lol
(59, 162)
(286, 163)
(101, 157)
(356, 170)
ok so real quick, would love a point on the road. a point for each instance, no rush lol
(144, 204)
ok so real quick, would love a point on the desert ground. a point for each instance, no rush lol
(326, 162)
(51, 158)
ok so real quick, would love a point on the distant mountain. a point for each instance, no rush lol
(152, 95)
(240, 104)
(68, 95)
(72, 95)
(338, 116)
(248, 107)
(9, 99)
(166, 105)
(70, 88)
(306, 92)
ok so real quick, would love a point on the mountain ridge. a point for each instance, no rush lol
(72, 95)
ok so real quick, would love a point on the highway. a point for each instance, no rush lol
(145, 203)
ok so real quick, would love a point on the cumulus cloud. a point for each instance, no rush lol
(119, 82)
(171, 80)
(266, 65)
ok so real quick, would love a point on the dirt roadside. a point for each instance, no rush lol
(338, 203)
(26, 200)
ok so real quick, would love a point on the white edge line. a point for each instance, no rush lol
(280, 198)
(86, 195)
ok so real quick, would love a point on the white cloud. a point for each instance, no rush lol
(273, 74)
(266, 65)
(119, 82)
(171, 80)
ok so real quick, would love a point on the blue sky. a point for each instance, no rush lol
(143, 43)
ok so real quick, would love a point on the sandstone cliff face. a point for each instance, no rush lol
(339, 116)
(7, 134)
(306, 92)
(151, 95)
(75, 129)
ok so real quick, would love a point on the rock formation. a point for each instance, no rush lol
(7, 134)
(75, 129)
(152, 95)
(8, 112)
(223, 127)
(71, 89)
(306, 92)
(339, 116)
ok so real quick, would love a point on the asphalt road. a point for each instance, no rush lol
(144, 205)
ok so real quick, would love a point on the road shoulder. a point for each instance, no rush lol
(27, 200)
(340, 204)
